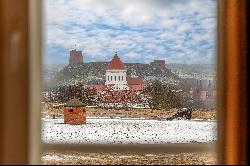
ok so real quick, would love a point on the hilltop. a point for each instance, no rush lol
(94, 73)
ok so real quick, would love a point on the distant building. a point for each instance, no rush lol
(204, 95)
(76, 57)
(119, 90)
(116, 74)
(117, 79)
(135, 83)
(158, 63)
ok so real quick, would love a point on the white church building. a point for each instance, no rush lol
(117, 78)
(116, 74)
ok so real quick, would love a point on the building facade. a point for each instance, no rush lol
(116, 74)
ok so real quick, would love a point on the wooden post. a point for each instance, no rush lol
(232, 84)
(14, 69)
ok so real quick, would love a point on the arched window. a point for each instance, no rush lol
(110, 78)
(115, 78)
(119, 78)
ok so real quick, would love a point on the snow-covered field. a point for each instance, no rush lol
(127, 131)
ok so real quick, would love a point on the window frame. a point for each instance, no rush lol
(231, 76)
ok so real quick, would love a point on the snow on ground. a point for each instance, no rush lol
(128, 131)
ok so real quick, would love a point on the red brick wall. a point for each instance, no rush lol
(77, 116)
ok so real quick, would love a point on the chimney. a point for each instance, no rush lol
(197, 83)
(197, 86)
(209, 84)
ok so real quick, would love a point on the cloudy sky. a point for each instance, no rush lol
(179, 31)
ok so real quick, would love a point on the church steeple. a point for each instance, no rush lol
(115, 63)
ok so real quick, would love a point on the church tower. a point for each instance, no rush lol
(116, 74)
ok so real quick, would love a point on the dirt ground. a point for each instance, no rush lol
(78, 158)
(149, 113)
(133, 113)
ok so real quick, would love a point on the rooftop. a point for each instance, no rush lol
(115, 63)
(134, 81)
(74, 103)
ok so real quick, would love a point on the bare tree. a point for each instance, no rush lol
(163, 96)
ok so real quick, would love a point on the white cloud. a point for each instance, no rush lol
(184, 27)
(135, 12)
(133, 55)
(155, 28)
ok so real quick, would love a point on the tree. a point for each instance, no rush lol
(65, 93)
(164, 96)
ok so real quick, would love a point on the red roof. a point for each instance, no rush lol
(99, 87)
(134, 81)
(115, 63)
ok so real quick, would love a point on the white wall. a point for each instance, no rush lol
(112, 77)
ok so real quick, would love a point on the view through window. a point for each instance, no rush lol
(129, 72)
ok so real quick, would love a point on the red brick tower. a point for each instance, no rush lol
(76, 57)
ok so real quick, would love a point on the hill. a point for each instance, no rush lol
(94, 73)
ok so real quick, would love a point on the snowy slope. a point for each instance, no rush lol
(126, 131)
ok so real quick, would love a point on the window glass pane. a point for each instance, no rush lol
(163, 54)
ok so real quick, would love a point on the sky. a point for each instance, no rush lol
(177, 31)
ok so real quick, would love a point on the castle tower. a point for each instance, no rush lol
(158, 63)
(116, 74)
(76, 57)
